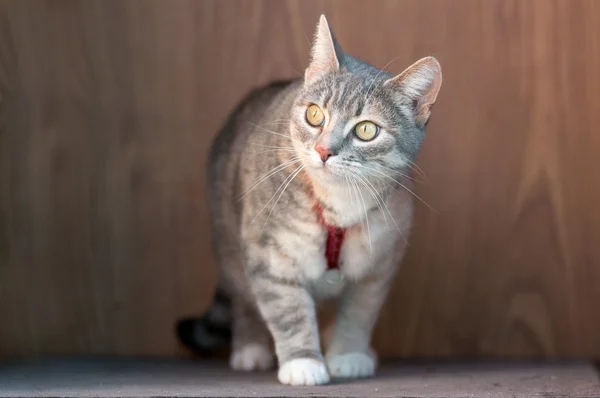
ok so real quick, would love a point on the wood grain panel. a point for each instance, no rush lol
(107, 109)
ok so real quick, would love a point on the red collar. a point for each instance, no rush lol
(335, 238)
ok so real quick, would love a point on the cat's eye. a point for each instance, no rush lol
(366, 130)
(315, 116)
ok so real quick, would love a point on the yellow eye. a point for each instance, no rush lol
(315, 116)
(366, 131)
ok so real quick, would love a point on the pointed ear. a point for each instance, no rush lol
(326, 53)
(421, 83)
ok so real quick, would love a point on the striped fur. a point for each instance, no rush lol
(267, 237)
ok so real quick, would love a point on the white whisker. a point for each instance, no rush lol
(399, 183)
(275, 150)
(388, 211)
(350, 192)
(417, 169)
(375, 196)
(267, 175)
(281, 194)
(380, 199)
(353, 185)
(411, 192)
(266, 204)
(302, 150)
(398, 172)
(272, 146)
(276, 133)
(360, 167)
(365, 210)
(277, 121)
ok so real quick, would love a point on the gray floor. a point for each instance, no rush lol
(131, 378)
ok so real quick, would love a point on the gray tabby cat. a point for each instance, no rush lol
(331, 150)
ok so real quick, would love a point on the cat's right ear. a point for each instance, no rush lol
(325, 54)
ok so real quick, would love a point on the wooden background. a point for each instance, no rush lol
(108, 108)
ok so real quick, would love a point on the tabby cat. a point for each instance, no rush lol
(310, 199)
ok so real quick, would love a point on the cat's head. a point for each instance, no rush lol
(353, 119)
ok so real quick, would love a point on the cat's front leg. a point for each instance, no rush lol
(349, 354)
(251, 346)
(289, 312)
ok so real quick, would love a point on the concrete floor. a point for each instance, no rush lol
(133, 378)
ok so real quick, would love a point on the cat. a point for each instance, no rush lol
(310, 199)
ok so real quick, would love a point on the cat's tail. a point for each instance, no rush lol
(210, 333)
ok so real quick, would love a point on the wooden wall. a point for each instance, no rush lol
(107, 109)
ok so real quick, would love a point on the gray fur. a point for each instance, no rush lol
(269, 242)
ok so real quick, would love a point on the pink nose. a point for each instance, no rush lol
(324, 152)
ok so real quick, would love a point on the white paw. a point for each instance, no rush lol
(303, 372)
(251, 357)
(352, 365)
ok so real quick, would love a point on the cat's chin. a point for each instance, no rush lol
(327, 175)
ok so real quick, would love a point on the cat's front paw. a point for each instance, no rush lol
(352, 365)
(252, 357)
(303, 372)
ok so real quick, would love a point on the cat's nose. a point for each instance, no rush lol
(324, 152)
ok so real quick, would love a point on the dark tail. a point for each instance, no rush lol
(210, 333)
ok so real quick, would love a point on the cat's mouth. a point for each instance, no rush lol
(323, 167)
(327, 173)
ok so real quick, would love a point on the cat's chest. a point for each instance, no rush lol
(364, 238)
(359, 253)
(362, 248)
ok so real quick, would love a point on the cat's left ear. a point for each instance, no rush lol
(326, 53)
(421, 83)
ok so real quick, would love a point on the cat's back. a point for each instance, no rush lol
(227, 147)
(247, 113)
